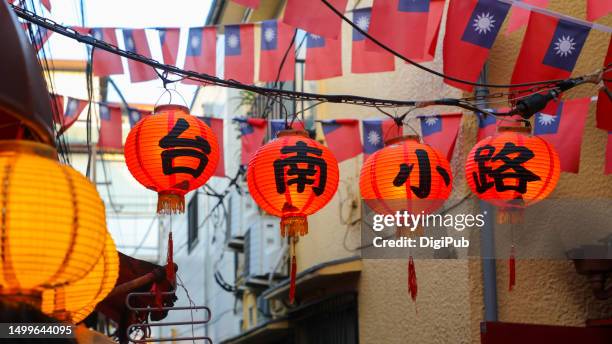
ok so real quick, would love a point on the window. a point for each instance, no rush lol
(192, 223)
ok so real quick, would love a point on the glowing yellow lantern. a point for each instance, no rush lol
(52, 222)
(77, 300)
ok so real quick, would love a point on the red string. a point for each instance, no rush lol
(512, 270)
(293, 272)
(170, 273)
(412, 280)
(156, 289)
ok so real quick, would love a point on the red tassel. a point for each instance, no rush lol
(511, 270)
(412, 280)
(170, 273)
(158, 296)
(292, 279)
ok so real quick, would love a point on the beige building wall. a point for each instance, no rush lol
(449, 307)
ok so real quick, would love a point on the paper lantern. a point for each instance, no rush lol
(512, 170)
(171, 153)
(53, 221)
(292, 177)
(406, 175)
(76, 300)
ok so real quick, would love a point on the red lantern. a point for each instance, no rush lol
(406, 175)
(171, 153)
(292, 177)
(512, 170)
(409, 176)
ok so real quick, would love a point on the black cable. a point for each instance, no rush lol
(429, 70)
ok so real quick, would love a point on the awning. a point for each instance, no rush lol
(322, 277)
(276, 330)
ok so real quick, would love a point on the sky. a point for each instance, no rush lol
(129, 14)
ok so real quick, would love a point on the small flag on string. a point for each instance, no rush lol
(135, 41)
(598, 8)
(276, 38)
(564, 131)
(248, 3)
(519, 17)
(169, 41)
(216, 124)
(41, 36)
(110, 127)
(315, 17)
(323, 57)
(604, 104)
(376, 132)
(104, 62)
(487, 124)
(201, 53)
(74, 107)
(400, 25)
(252, 135)
(57, 107)
(434, 18)
(550, 50)
(471, 29)
(277, 125)
(363, 60)
(135, 115)
(440, 132)
(239, 56)
(342, 137)
(46, 4)
(608, 163)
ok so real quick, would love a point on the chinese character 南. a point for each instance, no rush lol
(304, 155)
(512, 157)
(197, 148)
(424, 187)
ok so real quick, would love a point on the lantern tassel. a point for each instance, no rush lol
(511, 270)
(293, 225)
(168, 204)
(412, 280)
(170, 272)
(293, 273)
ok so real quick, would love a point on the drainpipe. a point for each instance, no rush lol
(487, 239)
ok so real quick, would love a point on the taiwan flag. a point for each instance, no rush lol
(216, 124)
(323, 57)
(487, 124)
(110, 127)
(277, 125)
(248, 3)
(239, 56)
(375, 132)
(276, 38)
(604, 104)
(441, 131)
(608, 163)
(74, 107)
(105, 63)
(436, 7)
(135, 41)
(550, 50)
(315, 17)
(400, 25)
(135, 115)
(57, 107)
(342, 137)
(519, 17)
(169, 42)
(564, 131)
(252, 135)
(366, 61)
(471, 29)
(201, 52)
(41, 36)
(598, 8)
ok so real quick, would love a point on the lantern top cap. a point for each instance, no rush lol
(170, 107)
(506, 129)
(399, 139)
(28, 147)
(292, 132)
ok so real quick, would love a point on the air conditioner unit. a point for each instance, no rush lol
(242, 213)
(264, 247)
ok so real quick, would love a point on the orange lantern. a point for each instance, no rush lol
(75, 301)
(53, 222)
(406, 175)
(171, 153)
(292, 177)
(512, 170)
